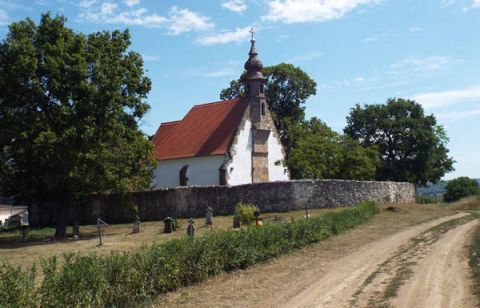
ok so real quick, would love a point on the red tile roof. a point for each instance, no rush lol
(206, 130)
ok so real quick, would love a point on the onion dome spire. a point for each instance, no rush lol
(253, 66)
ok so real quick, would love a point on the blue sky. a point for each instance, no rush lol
(358, 51)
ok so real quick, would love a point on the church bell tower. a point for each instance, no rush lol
(254, 83)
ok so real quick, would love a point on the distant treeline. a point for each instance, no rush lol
(434, 189)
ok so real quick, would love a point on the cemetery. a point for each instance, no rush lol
(132, 276)
(39, 242)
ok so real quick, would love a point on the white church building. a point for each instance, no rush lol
(228, 142)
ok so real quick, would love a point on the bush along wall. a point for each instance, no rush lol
(122, 278)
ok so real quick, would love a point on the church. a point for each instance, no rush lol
(230, 142)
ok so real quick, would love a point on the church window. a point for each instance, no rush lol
(261, 88)
(184, 176)
(263, 109)
(223, 175)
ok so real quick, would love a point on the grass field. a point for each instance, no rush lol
(40, 242)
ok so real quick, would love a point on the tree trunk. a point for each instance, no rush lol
(61, 221)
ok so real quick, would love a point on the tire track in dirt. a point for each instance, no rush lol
(441, 279)
(337, 286)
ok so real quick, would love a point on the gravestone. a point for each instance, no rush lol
(136, 225)
(168, 225)
(24, 221)
(209, 216)
(76, 230)
(191, 228)
(236, 222)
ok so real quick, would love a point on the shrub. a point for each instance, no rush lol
(17, 287)
(245, 211)
(120, 279)
(459, 188)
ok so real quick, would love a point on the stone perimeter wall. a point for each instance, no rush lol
(192, 201)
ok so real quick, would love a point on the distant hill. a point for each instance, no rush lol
(435, 189)
(432, 189)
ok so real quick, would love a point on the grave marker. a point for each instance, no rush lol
(209, 216)
(191, 228)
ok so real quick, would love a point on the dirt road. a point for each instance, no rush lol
(442, 278)
(364, 267)
(360, 278)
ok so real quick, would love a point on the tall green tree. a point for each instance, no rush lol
(69, 111)
(287, 88)
(412, 145)
(320, 153)
(459, 188)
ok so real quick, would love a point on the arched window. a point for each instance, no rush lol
(223, 175)
(261, 88)
(263, 109)
(184, 176)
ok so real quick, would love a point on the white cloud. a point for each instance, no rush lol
(85, 4)
(447, 98)
(178, 20)
(304, 57)
(374, 38)
(108, 8)
(357, 81)
(296, 11)
(109, 14)
(223, 72)
(131, 2)
(476, 4)
(458, 115)
(237, 35)
(426, 64)
(237, 6)
(150, 58)
(4, 18)
(446, 3)
(184, 20)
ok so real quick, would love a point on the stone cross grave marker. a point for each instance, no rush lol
(136, 225)
(209, 216)
(191, 228)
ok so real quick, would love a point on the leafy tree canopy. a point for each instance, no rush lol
(69, 108)
(318, 152)
(287, 88)
(412, 146)
(459, 188)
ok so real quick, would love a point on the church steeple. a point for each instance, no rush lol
(253, 79)
(260, 117)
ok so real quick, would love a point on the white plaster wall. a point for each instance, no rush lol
(276, 173)
(201, 171)
(240, 167)
(6, 213)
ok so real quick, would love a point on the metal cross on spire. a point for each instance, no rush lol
(252, 32)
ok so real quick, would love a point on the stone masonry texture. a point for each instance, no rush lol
(186, 202)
